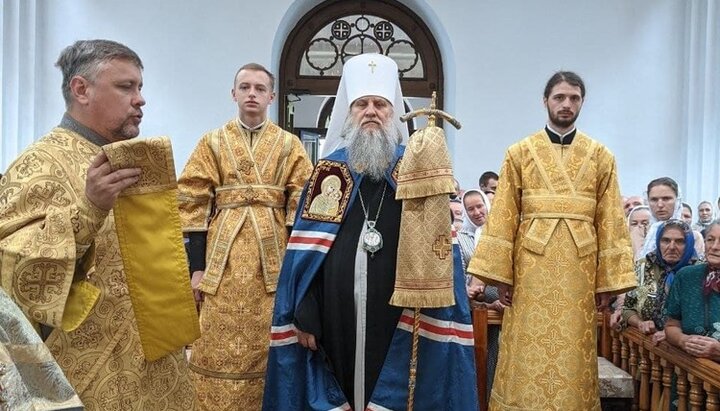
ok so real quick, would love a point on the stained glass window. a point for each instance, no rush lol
(357, 34)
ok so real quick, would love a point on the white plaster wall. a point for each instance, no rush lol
(497, 57)
(190, 50)
(629, 54)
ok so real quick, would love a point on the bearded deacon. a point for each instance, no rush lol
(557, 248)
(337, 342)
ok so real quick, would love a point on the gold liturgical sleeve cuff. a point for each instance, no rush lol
(83, 295)
(151, 245)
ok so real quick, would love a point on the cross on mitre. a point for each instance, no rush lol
(372, 66)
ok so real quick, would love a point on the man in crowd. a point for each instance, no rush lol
(59, 243)
(337, 342)
(488, 181)
(632, 202)
(238, 193)
(560, 199)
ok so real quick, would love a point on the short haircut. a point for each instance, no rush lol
(84, 57)
(256, 67)
(487, 176)
(568, 77)
(664, 181)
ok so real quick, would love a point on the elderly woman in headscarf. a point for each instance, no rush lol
(692, 310)
(706, 215)
(665, 203)
(674, 250)
(476, 207)
(638, 220)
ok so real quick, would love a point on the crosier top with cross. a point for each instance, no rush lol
(432, 113)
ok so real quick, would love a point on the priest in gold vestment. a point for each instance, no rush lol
(238, 193)
(557, 246)
(60, 257)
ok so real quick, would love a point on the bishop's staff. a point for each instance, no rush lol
(424, 277)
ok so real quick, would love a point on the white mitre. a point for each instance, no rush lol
(365, 75)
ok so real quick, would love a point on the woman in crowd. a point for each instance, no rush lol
(456, 210)
(638, 224)
(476, 207)
(687, 213)
(705, 216)
(656, 273)
(638, 219)
(665, 203)
(693, 304)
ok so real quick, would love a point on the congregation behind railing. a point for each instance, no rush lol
(652, 366)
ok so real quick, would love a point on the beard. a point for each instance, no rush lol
(370, 151)
(562, 122)
(125, 131)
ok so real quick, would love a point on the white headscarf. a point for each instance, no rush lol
(635, 209)
(712, 214)
(468, 226)
(364, 75)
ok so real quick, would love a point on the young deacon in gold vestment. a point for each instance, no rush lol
(557, 247)
(238, 193)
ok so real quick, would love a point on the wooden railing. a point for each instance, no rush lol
(698, 379)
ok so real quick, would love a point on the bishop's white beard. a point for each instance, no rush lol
(370, 151)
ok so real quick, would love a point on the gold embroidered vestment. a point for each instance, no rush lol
(47, 228)
(243, 190)
(556, 233)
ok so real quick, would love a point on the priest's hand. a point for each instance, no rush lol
(505, 293)
(197, 277)
(103, 185)
(306, 340)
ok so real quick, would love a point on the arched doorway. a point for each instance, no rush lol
(316, 49)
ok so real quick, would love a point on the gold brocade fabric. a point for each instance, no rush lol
(425, 259)
(557, 234)
(151, 245)
(46, 226)
(243, 191)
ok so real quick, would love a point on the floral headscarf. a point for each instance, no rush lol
(687, 255)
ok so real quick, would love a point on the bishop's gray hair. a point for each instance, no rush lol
(84, 57)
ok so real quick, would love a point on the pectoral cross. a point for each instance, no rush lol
(372, 66)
